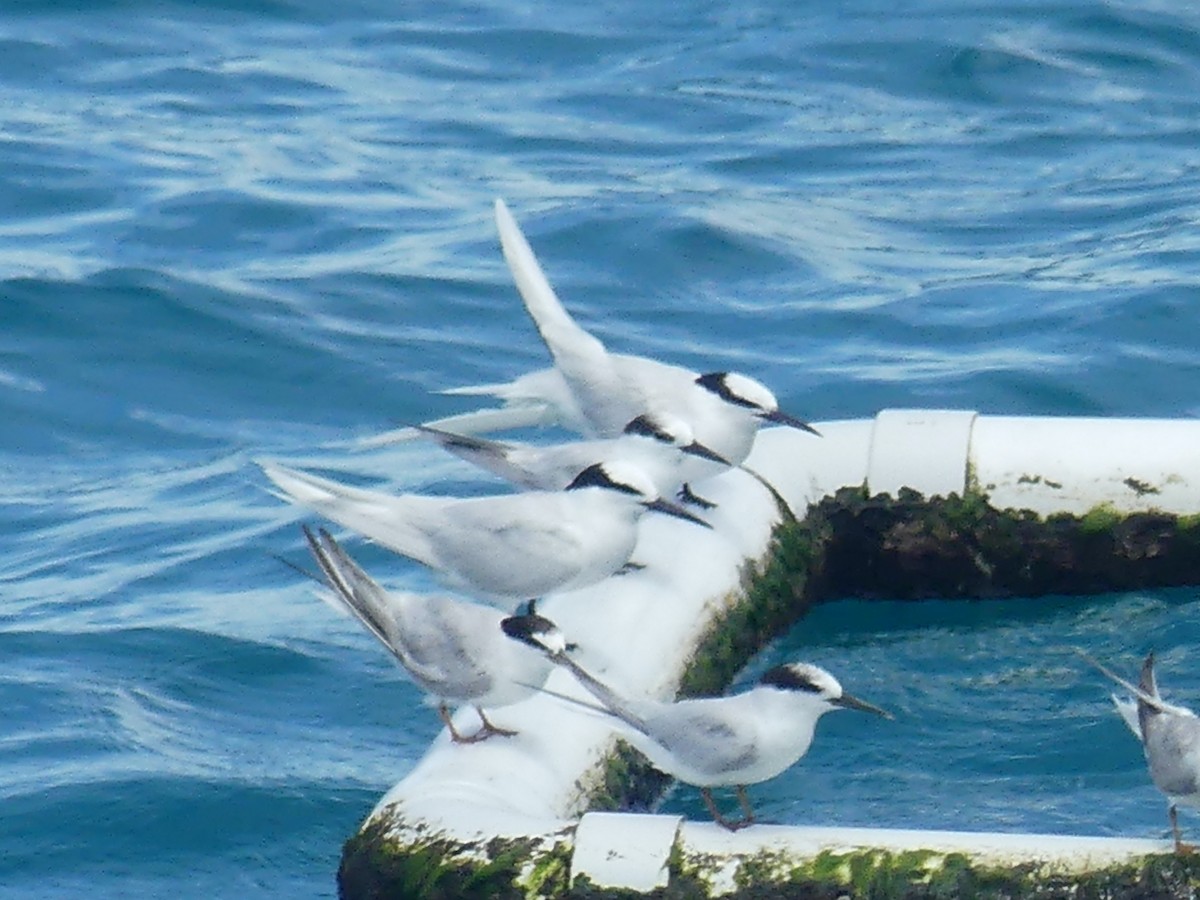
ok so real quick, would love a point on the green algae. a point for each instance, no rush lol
(909, 875)
(915, 547)
(1100, 518)
(873, 874)
(376, 865)
(627, 781)
(774, 595)
(550, 873)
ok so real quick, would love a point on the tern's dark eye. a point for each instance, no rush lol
(789, 679)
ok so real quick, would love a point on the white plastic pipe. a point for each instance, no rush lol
(1042, 463)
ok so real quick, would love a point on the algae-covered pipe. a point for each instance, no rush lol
(505, 812)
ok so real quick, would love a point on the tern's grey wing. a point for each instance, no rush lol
(584, 362)
(353, 589)
(704, 738)
(512, 462)
(696, 741)
(1172, 745)
(535, 398)
(552, 467)
(527, 545)
(1153, 700)
(445, 644)
(438, 640)
(693, 740)
(544, 467)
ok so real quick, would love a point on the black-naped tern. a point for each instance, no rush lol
(656, 444)
(511, 547)
(597, 392)
(728, 741)
(455, 651)
(1170, 737)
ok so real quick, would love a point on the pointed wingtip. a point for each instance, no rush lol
(295, 486)
(386, 438)
(275, 471)
(512, 240)
(504, 218)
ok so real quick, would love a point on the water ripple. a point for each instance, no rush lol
(239, 230)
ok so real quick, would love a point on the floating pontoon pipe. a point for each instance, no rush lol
(512, 807)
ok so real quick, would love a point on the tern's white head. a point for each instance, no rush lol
(812, 681)
(671, 431)
(753, 396)
(624, 478)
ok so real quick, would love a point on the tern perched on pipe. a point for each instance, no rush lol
(656, 444)
(1170, 737)
(511, 547)
(596, 393)
(454, 651)
(728, 741)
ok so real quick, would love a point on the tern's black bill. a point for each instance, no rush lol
(695, 448)
(849, 701)
(779, 417)
(671, 509)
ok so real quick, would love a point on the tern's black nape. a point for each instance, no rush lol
(790, 678)
(597, 476)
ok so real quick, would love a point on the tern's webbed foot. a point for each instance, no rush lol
(480, 735)
(687, 495)
(736, 825)
(723, 821)
(486, 731)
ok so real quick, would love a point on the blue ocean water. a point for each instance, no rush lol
(264, 229)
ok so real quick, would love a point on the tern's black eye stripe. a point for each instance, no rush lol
(715, 382)
(595, 476)
(787, 678)
(644, 426)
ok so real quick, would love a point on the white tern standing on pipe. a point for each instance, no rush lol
(512, 547)
(656, 444)
(726, 741)
(597, 392)
(455, 651)
(1170, 737)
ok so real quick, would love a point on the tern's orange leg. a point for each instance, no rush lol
(731, 824)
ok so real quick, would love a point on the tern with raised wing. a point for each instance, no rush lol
(596, 392)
